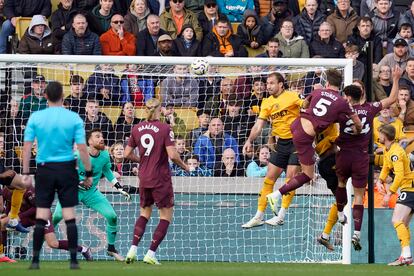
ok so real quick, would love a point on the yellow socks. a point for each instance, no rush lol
(267, 188)
(287, 199)
(16, 202)
(403, 233)
(332, 219)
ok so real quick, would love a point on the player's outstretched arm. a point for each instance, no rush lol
(175, 157)
(129, 154)
(254, 132)
(396, 75)
(84, 156)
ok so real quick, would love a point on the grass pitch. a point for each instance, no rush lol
(102, 268)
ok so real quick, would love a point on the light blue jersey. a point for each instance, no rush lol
(56, 130)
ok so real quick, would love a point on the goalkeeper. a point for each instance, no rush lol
(92, 197)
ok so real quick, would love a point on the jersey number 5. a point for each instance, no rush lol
(147, 142)
(320, 108)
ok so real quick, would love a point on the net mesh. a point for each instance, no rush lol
(210, 206)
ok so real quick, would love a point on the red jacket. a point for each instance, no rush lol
(113, 46)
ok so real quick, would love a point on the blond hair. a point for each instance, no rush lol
(151, 105)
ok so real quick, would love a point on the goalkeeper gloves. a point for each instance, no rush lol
(122, 191)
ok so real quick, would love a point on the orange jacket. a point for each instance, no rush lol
(113, 46)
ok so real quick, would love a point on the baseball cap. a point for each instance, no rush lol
(400, 42)
(164, 37)
(275, 2)
(38, 78)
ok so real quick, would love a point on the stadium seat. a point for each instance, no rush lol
(84, 70)
(189, 116)
(58, 72)
(22, 23)
(254, 52)
(112, 112)
(140, 112)
(234, 27)
(55, 4)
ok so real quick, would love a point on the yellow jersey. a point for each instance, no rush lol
(281, 111)
(326, 138)
(397, 124)
(396, 159)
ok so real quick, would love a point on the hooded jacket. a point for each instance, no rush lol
(307, 27)
(133, 23)
(384, 27)
(186, 48)
(295, 47)
(255, 35)
(32, 44)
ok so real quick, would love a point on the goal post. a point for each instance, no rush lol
(209, 210)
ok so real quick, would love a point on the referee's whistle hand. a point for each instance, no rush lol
(87, 182)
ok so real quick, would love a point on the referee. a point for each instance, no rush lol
(56, 130)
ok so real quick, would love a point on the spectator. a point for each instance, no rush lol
(271, 23)
(258, 94)
(103, 13)
(182, 151)
(325, 45)
(62, 20)
(186, 43)
(209, 16)
(258, 167)
(405, 32)
(228, 166)
(147, 38)
(86, 5)
(136, 18)
(116, 41)
(176, 17)
(361, 34)
(235, 123)
(366, 6)
(125, 122)
(35, 100)
(407, 17)
(134, 88)
(196, 169)
(291, 46)
(180, 90)
(77, 99)
(210, 146)
(383, 85)
(343, 20)
(272, 49)
(325, 6)
(227, 92)
(399, 56)
(176, 123)
(312, 78)
(14, 9)
(250, 31)
(308, 21)
(203, 121)
(234, 10)
(196, 6)
(222, 43)
(209, 90)
(96, 119)
(37, 39)
(120, 165)
(405, 107)
(385, 21)
(80, 40)
(408, 79)
(358, 68)
(386, 118)
(243, 83)
(158, 6)
(104, 86)
(165, 46)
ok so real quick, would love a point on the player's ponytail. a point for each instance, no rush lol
(151, 105)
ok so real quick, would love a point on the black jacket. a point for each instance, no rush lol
(332, 49)
(356, 39)
(123, 129)
(270, 29)
(307, 27)
(26, 8)
(145, 45)
(62, 17)
(105, 124)
(248, 36)
(205, 24)
(211, 46)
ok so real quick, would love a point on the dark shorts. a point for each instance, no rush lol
(407, 199)
(28, 222)
(353, 164)
(285, 154)
(162, 196)
(60, 177)
(303, 143)
(8, 180)
(327, 171)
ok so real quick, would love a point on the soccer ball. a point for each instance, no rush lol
(199, 66)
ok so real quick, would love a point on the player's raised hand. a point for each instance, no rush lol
(396, 72)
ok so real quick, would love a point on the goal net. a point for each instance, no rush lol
(214, 201)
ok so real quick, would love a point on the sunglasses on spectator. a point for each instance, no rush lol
(210, 5)
(118, 22)
(177, 1)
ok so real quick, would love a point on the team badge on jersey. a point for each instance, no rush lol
(376, 104)
(394, 158)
